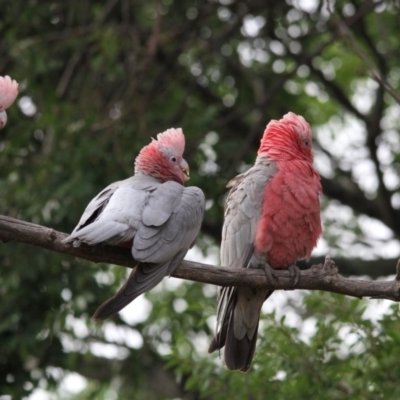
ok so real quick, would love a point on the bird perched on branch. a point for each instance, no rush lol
(272, 216)
(8, 94)
(150, 212)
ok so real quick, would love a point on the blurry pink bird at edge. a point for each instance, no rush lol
(8, 94)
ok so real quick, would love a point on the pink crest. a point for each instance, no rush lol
(8, 92)
(297, 121)
(172, 138)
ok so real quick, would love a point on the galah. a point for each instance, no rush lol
(150, 212)
(8, 94)
(272, 218)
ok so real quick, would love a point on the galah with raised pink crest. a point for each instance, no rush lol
(150, 212)
(272, 215)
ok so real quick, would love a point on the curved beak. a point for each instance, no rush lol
(185, 169)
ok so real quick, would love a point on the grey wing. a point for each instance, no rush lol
(114, 215)
(169, 227)
(170, 223)
(96, 205)
(242, 212)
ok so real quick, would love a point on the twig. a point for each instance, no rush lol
(346, 33)
(398, 271)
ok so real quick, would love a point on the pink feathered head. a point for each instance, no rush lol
(163, 157)
(8, 92)
(287, 138)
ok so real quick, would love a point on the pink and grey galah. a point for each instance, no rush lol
(8, 94)
(272, 219)
(151, 212)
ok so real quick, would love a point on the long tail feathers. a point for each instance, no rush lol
(143, 278)
(218, 342)
(239, 353)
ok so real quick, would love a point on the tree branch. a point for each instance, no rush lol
(369, 64)
(318, 277)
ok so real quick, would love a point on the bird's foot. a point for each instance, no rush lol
(270, 273)
(295, 274)
(258, 261)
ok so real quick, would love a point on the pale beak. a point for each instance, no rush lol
(185, 169)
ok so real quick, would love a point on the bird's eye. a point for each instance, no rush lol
(306, 142)
(173, 159)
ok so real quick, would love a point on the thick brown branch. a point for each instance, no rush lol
(319, 277)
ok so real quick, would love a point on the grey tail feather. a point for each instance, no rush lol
(226, 302)
(239, 353)
(218, 342)
(143, 278)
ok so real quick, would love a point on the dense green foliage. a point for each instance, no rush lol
(97, 80)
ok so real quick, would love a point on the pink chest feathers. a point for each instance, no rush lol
(290, 223)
